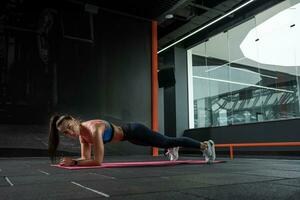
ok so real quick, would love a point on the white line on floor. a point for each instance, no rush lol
(9, 182)
(44, 172)
(110, 177)
(101, 193)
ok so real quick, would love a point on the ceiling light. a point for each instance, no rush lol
(169, 16)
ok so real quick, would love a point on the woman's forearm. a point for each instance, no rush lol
(78, 159)
(88, 162)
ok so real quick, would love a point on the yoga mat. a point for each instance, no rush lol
(137, 164)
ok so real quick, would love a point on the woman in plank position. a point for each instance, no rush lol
(98, 132)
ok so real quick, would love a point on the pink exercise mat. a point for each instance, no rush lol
(138, 164)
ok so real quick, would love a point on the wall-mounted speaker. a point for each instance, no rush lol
(166, 77)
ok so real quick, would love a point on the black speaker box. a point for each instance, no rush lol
(166, 77)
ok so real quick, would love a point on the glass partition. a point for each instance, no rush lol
(249, 73)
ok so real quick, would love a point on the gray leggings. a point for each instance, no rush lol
(141, 135)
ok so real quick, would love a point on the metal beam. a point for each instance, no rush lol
(209, 9)
(107, 10)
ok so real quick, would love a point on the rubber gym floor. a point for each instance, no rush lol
(241, 178)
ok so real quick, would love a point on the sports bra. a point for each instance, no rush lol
(108, 133)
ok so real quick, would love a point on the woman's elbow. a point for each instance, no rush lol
(98, 162)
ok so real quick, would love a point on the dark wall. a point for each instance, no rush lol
(175, 96)
(112, 77)
(170, 111)
(273, 131)
(181, 74)
(102, 70)
(127, 62)
(65, 63)
(167, 61)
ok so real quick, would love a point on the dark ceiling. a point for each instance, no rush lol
(188, 15)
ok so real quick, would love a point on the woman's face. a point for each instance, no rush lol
(70, 128)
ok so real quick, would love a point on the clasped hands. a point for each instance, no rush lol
(67, 161)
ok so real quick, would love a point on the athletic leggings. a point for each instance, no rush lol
(141, 135)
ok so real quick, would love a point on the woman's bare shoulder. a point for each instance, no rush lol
(94, 122)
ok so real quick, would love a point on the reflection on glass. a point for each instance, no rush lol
(274, 38)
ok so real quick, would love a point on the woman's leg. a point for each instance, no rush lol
(142, 135)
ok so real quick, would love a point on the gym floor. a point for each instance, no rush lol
(242, 178)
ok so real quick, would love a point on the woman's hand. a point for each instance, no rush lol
(66, 161)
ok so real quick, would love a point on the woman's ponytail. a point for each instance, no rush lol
(53, 140)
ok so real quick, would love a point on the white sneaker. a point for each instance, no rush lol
(209, 153)
(172, 153)
(213, 150)
(206, 152)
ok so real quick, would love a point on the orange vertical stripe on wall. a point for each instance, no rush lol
(154, 84)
